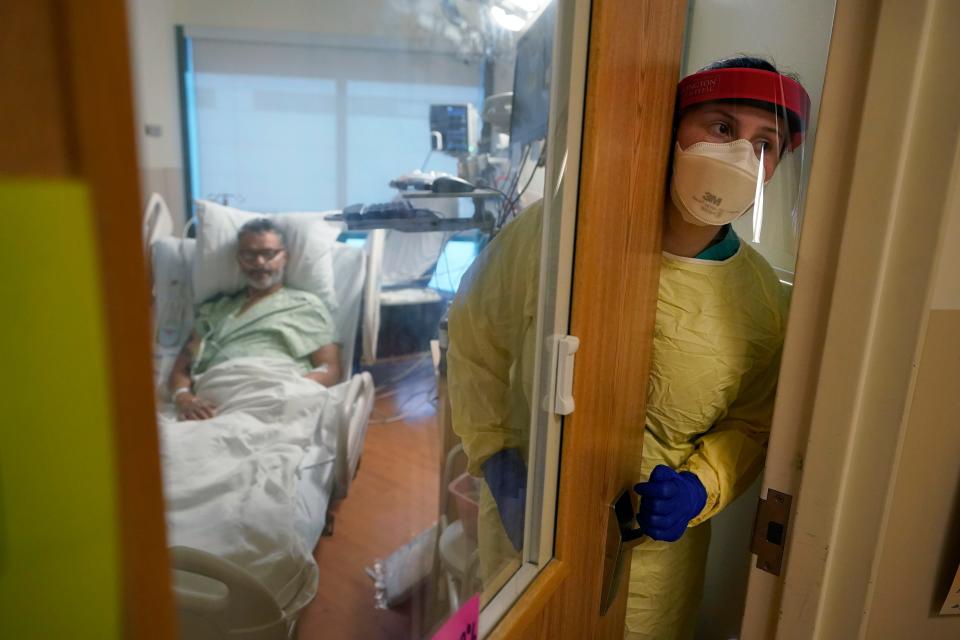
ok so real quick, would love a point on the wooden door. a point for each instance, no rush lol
(68, 168)
(631, 75)
(73, 121)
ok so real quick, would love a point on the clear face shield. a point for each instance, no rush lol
(739, 155)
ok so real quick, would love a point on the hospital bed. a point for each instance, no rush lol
(215, 597)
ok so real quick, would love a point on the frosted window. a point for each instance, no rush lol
(267, 140)
(309, 127)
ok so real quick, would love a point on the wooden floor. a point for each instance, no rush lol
(393, 498)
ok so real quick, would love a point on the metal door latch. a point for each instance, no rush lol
(622, 536)
(770, 531)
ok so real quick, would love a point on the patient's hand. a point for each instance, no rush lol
(190, 407)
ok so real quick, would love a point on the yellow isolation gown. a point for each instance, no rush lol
(716, 353)
(490, 361)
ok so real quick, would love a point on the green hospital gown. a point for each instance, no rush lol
(288, 324)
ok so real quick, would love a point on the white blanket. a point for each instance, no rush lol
(230, 482)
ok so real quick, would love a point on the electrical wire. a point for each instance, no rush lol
(426, 160)
(389, 393)
(401, 415)
(504, 201)
(506, 207)
(543, 153)
(409, 399)
(446, 271)
(523, 160)
(515, 181)
(400, 376)
(395, 418)
(503, 194)
(389, 389)
(514, 203)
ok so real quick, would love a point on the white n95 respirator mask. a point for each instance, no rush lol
(713, 184)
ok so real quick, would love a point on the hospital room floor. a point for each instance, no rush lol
(393, 498)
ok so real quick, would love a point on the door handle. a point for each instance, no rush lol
(622, 536)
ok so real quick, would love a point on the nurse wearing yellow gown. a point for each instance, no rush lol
(721, 315)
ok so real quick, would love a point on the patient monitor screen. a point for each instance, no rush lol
(531, 81)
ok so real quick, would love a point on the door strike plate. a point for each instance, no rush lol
(770, 531)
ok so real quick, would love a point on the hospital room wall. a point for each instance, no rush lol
(82, 549)
(919, 552)
(877, 521)
(910, 552)
(156, 103)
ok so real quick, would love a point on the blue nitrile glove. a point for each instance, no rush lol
(668, 502)
(506, 475)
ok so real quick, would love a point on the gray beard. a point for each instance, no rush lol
(265, 283)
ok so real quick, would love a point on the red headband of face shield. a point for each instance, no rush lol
(748, 84)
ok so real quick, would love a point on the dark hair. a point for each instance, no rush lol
(259, 226)
(741, 62)
(753, 62)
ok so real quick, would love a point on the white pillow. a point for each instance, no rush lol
(309, 240)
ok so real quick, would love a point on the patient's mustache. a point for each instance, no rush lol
(263, 278)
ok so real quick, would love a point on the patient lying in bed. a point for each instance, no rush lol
(264, 320)
(250, 371)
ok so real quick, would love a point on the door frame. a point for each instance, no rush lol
(875, 209)
(70, 117)
(816, 270)
(633, 65)
(100, 97)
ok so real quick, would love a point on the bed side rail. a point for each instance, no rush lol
(216, 599)
(355, 416)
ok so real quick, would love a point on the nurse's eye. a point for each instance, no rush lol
(721, 129)
(767, 146)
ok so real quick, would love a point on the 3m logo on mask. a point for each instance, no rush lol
(712, 199)
(714, 183)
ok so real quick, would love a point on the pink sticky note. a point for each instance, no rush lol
(462, 625)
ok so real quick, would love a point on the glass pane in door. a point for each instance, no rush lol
(359, 302)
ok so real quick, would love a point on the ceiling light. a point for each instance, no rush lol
(508, 21)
